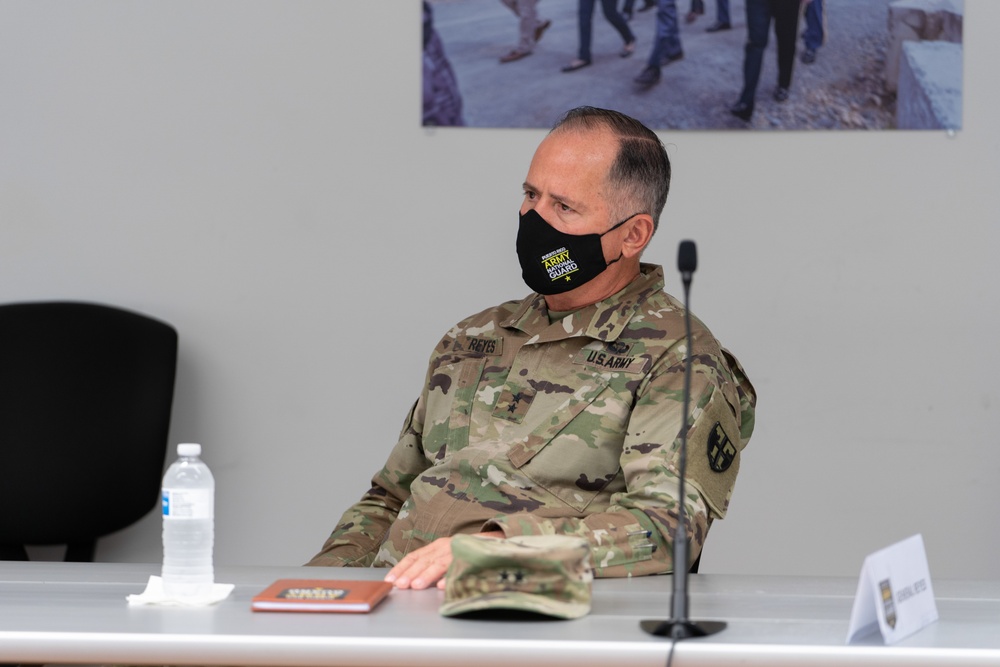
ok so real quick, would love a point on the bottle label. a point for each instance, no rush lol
(188, 504)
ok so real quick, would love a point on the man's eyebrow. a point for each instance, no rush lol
(573, 204)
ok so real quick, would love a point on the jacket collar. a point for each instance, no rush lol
(603, 320)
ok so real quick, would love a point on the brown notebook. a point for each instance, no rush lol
(321, 595)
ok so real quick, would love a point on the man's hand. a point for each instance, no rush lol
(427, 565)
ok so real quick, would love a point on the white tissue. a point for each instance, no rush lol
(154, 595)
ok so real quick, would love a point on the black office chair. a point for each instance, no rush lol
(695, 565)
(86, 392)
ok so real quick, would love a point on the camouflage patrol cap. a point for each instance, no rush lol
(544, 574)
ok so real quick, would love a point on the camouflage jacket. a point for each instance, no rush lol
(563, 428)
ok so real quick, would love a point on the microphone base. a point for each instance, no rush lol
(682, 629)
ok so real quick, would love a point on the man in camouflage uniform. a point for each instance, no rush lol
(561, 413)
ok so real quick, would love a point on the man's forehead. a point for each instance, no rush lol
(566, 159)
(598, 144)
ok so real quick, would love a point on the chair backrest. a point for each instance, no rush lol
(86, 392)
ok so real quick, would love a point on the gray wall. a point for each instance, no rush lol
(254, 172)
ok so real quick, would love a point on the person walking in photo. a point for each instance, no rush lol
(530, 28)
(666, 48)
(784, 14)
(629, 7)
(585, 19)
(442, 101)
(815, 32)
(722, 20)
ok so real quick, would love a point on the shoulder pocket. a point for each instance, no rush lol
(450, 396)
(713, 458)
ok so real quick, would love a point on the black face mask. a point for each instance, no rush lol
(553, 262)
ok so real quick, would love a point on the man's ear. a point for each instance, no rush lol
(639, 234)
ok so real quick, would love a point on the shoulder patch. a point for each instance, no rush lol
(721, 451)
(713, 457)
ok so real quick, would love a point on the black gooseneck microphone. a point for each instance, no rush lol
(679, 626)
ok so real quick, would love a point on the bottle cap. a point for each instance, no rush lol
(189, 449)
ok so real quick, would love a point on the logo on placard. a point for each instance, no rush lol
(890, 606)
(313, 593)
(721, 450)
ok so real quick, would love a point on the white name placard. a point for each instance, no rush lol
(894, 595)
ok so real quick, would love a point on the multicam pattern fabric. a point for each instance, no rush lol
(563, 428)
(542, 574)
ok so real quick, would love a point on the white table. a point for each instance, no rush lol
(76, 613)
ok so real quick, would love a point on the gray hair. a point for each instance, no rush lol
(639, 178)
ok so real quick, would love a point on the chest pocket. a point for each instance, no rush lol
(573, 449)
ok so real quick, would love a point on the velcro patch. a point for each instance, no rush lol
(513, 405)
(713, 458)
(486, 346)
(613, 356)
(721, 450)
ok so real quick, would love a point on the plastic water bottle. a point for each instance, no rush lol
(188, 525)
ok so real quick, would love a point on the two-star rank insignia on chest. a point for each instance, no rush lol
(513, 404)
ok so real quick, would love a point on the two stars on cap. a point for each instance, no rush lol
(516, 577)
